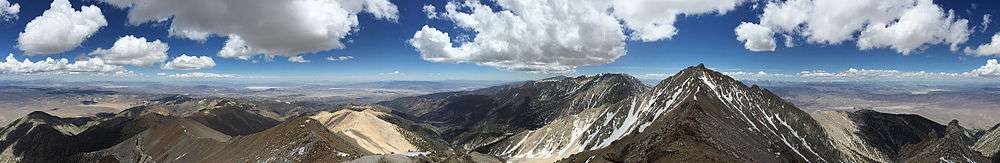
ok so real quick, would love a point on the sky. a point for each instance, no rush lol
(366, 40)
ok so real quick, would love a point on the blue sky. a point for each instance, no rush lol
(380, 49)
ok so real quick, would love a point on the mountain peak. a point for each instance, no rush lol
(708, 77)
(43, 117)
(953, 123)
(39, 114)
(696, 68)
(955, 129)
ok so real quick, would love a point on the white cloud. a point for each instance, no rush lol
(552, 36)
(878, 74)
(988, 49)
(298, 59)
(816, 73)
(131, 50)
(758, 75)
(743, 73)
(97, 65)
(549, 36)
(392, 73)
(653, 20)
(254, 27)
(756, 37)
(60, 28)
(201, 75)
(431, 12)
(985, 24)
(903, 25)
(185, 62)
(9, 11)
(339, 58)
(991, 69)
(789, 41)
(235, 47)
(923, 24)
(786, 16)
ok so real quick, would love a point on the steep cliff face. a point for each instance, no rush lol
(891, 132)
(989, 143)
(847, 137)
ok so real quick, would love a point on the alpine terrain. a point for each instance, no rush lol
(696, 115)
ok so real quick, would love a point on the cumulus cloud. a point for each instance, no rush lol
(49, 65)
(547, 38)
(254, 27)
(903, 25)
(136, 51)
(552, 36)
(756, 37)
(60, 28)
(298, 59)
(991, 69)
(201, 75)
(9, 11)
(988, 49)
(653, 20)
(339, 58)
(185, 62)
(925, 23)
(431, 11)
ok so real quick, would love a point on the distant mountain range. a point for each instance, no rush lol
(427, 86)
(696, 115)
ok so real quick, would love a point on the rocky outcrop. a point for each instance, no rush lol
(953, 146)
(989, 142)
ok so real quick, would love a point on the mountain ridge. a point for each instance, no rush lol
(695, 115)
